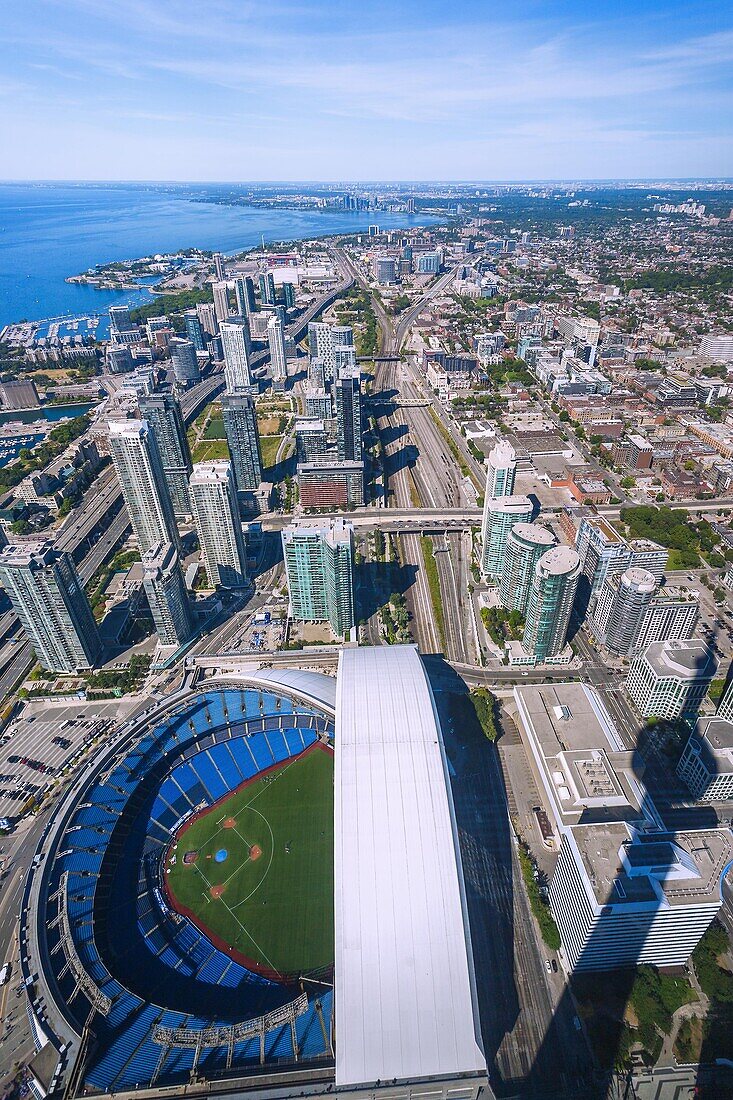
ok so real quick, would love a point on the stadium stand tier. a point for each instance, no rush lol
(151, 996)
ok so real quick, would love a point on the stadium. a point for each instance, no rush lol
(238, 895)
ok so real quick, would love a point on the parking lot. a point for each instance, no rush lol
(45, 738)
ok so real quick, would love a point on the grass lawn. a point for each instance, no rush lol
(215, 428)
(269, 445)
(209, 449)
(260, 880)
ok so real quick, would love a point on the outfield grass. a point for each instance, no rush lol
(275, 913)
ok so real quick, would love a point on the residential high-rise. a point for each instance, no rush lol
(163, 414)
(49, 599)
(525, 545)
(276, 341)
(246, 302)
(194, 329)
(347, 401)
(318, 403)
(725, 706)
(670, 679)
(288, 295)
(119, 358)
(142, 480)
(237, 347)
(185, 365)
(622, 603)
(319, 566)
(267, 288)
(317, 373)
(550, 603)
(314, 441)
(166, 591)
(120, 323)
(385, 270)
(603, 552)
(501, 469)
(206, 314)
(243, 437)
(323, 339)
(500, 515)
(219, 266)
(216, 515)
(220, 291)
(671, 616)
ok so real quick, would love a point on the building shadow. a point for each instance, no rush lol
(376, 581)
(631, 893)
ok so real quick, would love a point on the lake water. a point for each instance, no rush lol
(45, 412)
(51, 231)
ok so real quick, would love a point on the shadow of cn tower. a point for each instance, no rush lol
(620, 892)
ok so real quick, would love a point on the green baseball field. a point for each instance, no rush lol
(255, 871)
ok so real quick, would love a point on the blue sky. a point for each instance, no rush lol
(388, 89)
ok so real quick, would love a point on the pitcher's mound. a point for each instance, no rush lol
(229, 823)
(255, 852)
(190, 857)
(216, 891)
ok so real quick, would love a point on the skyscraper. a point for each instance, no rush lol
(347, 399)
(267, 288)
(501, 470)
(206, 314)
(219, 266)
(246, 301)
(194, 329)
(142, 480)
(500, 515)
(163, 414)
(50, 602)
(525, 545)
(276, 341)
(622, 604)
(183, 360)
(220, 291)
(288, 295)
(215, 512)
(166, 591)
(323, 339)
(236, 344)
(319, 566)
(243, 438)
(550, 603)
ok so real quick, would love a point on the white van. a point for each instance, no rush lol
(5, 974)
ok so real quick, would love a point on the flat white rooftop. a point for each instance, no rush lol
(404, 988)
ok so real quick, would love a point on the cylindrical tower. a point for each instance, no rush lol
(525, 545)
(551, 602)
(622, 605)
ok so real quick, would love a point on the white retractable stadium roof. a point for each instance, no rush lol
(405, 998)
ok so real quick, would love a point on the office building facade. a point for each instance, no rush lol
(319, 567)
(139, 468)
(706, 764)
(670, 679)
(49, 599)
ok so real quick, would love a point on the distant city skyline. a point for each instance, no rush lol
(228, 91)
